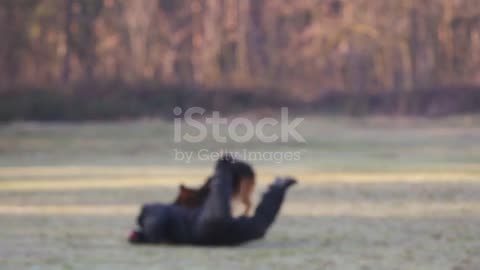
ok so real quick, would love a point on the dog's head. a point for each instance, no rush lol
(189, 197)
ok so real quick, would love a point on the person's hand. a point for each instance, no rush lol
(284, 182)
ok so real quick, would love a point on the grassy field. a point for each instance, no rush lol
(374, 193)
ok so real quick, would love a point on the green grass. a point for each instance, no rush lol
(374, 193)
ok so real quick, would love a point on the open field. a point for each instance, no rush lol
(374, 194)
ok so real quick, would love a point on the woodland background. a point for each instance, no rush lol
(110, 59)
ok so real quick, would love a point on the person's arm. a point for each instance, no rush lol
(217, 207)
(249, 228)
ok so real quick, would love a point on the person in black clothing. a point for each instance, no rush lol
(212, 223)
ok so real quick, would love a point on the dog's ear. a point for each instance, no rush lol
(185, 192)
(184, 189)
(188, 197)
(183, 195)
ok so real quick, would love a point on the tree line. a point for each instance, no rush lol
(308, 48)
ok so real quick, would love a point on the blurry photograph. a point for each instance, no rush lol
(240, 134)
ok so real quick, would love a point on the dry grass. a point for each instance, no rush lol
(374, 195)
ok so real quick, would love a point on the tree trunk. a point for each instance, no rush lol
(212, 28)
(68, 40)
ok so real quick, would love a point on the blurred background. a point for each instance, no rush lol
(135, 58)
(389, 91)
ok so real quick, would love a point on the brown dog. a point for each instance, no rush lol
(243, 186)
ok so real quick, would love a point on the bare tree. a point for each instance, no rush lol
(139, 16)
(68, 40)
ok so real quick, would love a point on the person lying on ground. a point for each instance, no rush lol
(211, 224)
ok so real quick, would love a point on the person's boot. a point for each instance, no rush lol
(137, 237)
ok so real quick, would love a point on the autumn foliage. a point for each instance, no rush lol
(309, 50)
